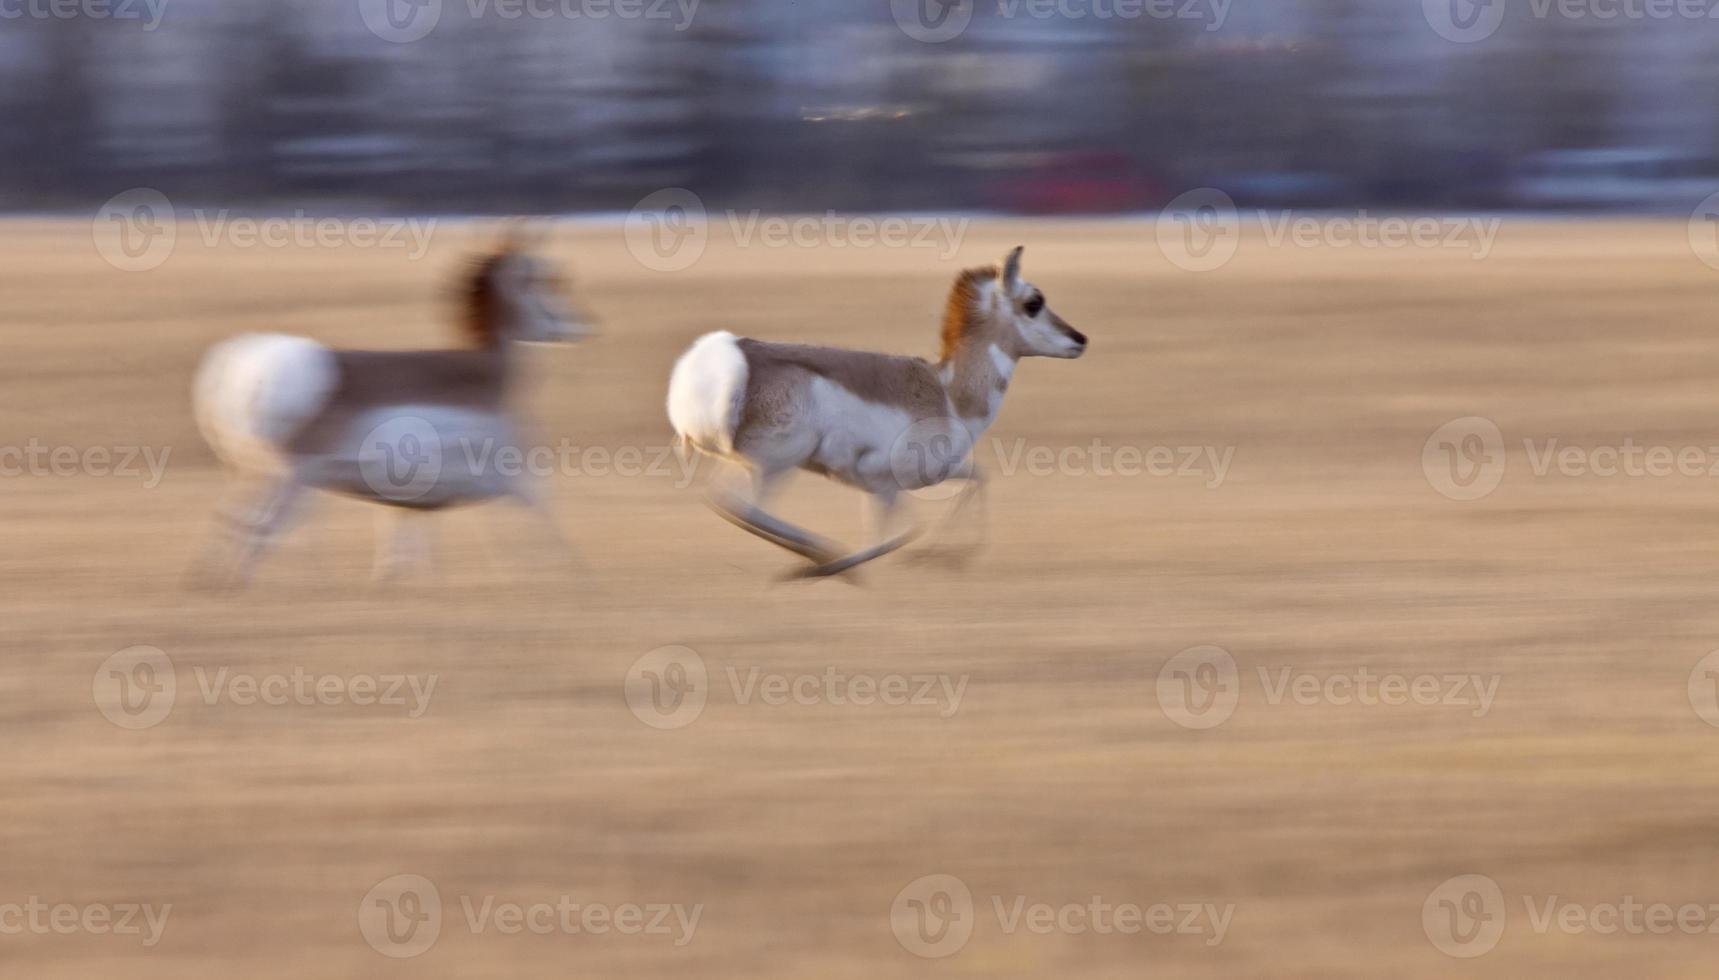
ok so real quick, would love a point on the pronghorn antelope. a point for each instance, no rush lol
(414, 430)
(881, 423)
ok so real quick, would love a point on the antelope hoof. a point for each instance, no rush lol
(828, 569)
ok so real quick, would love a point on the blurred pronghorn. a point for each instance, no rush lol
(395, 427)
(878, 422)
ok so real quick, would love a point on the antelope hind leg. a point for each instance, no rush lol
(249, 535)
(749, 517)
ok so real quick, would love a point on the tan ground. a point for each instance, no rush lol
(1059, 778)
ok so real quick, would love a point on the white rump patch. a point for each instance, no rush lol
(253, 392)
(705, 392)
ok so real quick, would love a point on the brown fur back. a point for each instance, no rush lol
(466, 379)
(777, 375)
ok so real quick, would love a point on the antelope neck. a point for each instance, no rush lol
(977, 376)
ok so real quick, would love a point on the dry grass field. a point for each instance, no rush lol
(1318, 828)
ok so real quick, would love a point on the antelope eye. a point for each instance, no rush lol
(1035, 306)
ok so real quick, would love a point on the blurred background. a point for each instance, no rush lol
(1032, 106)
(1392, 413)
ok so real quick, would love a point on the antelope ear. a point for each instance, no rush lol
(1012, 267)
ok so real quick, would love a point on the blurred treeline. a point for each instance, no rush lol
(814, 104)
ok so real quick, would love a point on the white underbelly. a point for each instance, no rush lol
(420, 456)
(873, 445)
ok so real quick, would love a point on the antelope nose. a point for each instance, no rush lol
(1077, 336)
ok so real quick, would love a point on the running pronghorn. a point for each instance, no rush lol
(877, 422)
(413, 430)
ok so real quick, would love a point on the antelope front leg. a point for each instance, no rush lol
(975, 495)
(888, 503)
(402, 542)
(257, 530)
(972, 506)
